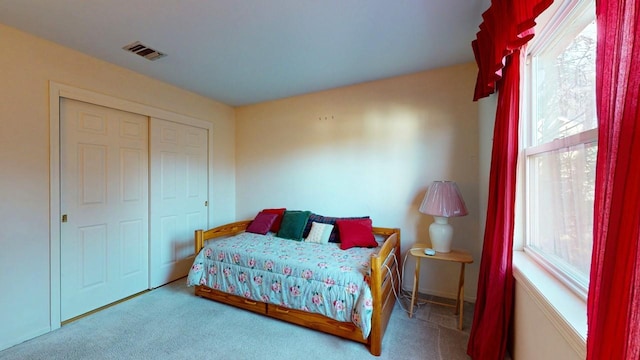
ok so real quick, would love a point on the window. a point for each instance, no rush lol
(560, 146)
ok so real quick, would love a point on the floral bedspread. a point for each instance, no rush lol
(318, 278)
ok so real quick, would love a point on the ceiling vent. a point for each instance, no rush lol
(144, 51)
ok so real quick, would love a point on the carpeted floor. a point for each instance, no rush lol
(171, 323)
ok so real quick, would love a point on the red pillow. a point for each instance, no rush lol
(276, 224)
(356, 233)
(262, 223)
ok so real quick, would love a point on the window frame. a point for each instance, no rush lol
(571, 14)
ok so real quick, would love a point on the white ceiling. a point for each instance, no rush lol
(247, 51)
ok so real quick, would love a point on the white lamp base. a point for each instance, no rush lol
(441, 234)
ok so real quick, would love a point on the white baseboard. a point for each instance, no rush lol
(22, 338)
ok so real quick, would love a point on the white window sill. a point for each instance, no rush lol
(564, 309)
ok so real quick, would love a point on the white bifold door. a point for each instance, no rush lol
(104, 201)
(178, 196)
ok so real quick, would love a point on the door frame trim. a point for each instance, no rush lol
(56, 92)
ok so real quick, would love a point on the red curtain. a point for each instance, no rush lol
(507, 26)
(613, 305)
(488, 339)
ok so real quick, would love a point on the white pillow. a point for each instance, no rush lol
(319, 233)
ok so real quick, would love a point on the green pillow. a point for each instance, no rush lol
(293, 223)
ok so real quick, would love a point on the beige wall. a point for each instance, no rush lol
(381, 145)
(535, 336)
(27, 65)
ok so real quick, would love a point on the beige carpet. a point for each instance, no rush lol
(171, 323)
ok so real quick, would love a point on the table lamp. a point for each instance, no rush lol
(442, 200)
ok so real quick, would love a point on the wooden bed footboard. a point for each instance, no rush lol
(384, 283)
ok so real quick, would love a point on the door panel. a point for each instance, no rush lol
(93, 252)
(178, 195)
(104, 192)
(130, 232)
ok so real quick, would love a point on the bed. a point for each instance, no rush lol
(347, 293)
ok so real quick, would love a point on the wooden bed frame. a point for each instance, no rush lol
(384, 277)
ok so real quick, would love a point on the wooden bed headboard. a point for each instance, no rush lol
(240, 226)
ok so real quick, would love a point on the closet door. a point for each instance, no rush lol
(179, 176)
(104, 199)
